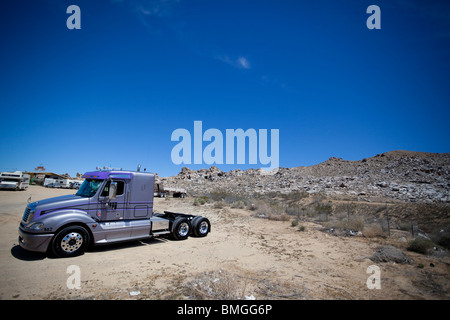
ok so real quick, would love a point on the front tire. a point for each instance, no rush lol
(70, 242)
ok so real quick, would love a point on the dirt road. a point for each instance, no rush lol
(242, 256)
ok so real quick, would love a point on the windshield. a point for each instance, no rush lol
(89, 188)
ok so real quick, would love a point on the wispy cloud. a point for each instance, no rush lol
(149, 8)
(159, 15)
(156, 16)
(243, 62)
(159, 8)
(240, 63)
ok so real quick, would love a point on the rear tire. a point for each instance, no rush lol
(201, 226)
(181, 228)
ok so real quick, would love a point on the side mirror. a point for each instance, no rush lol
(112, 190)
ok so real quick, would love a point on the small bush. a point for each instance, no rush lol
(216, 285)
(200, 201)
(238, 204)
(444, 240)
(279, 217)
(262, 208)
(373, 231)
(354, 224)
(420, 245)
(294, 223)
(219, 205)
(301, 228)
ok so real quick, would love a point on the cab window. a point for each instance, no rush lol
(120, 188)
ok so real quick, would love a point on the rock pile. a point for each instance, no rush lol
(397, 175)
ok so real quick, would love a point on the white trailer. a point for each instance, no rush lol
(59, 183)
(16, 180)
(49, 181)
(75, 184)
(161, 191)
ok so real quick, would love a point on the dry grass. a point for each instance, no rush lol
(238, 284)
(217, 285)
(373, 231)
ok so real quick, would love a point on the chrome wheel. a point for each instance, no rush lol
(183, 229)
(203, 228)
(71, 242)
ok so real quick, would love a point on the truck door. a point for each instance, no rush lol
(113, 209)
(113, 224)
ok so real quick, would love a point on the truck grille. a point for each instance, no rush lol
(26, 214)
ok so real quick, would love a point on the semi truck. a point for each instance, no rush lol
(16, 180)
(110, 206)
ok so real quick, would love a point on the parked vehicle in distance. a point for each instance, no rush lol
(110, 206)
(53, 185)
(61, 183)
(75, 185)
(163, 191)
(16, 180)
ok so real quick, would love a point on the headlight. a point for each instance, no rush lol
(36, 226)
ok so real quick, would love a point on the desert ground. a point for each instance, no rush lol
(244, 257)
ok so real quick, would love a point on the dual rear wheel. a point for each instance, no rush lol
(182, 227)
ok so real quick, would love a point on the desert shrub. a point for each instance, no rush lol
(294, 223)
(200, 201)
(420, 245)
(294, 195)
(323, 208)
(301, 228)
(279, 216)
(373, 231)
(441, 238)
(444, 240)
(220, 285)
(240, 204)
(293, 210)
(262, 208)
(354, 224)
(219, 204)
(404, 226)
(218, 195)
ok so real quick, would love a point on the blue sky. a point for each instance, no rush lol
(112, 93)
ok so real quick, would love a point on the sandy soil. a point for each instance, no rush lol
(248, 256)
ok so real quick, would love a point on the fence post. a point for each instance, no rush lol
(387, 218)
(348, 211)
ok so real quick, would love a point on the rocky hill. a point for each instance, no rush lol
(404, 176)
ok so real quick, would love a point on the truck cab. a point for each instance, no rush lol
(110, 206)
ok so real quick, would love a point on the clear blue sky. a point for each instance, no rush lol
(113, 92)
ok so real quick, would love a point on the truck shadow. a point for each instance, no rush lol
(126, 245)
(20, 253)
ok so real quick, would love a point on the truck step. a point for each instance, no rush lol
(161, 232)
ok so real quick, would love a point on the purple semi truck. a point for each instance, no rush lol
(110, 206)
